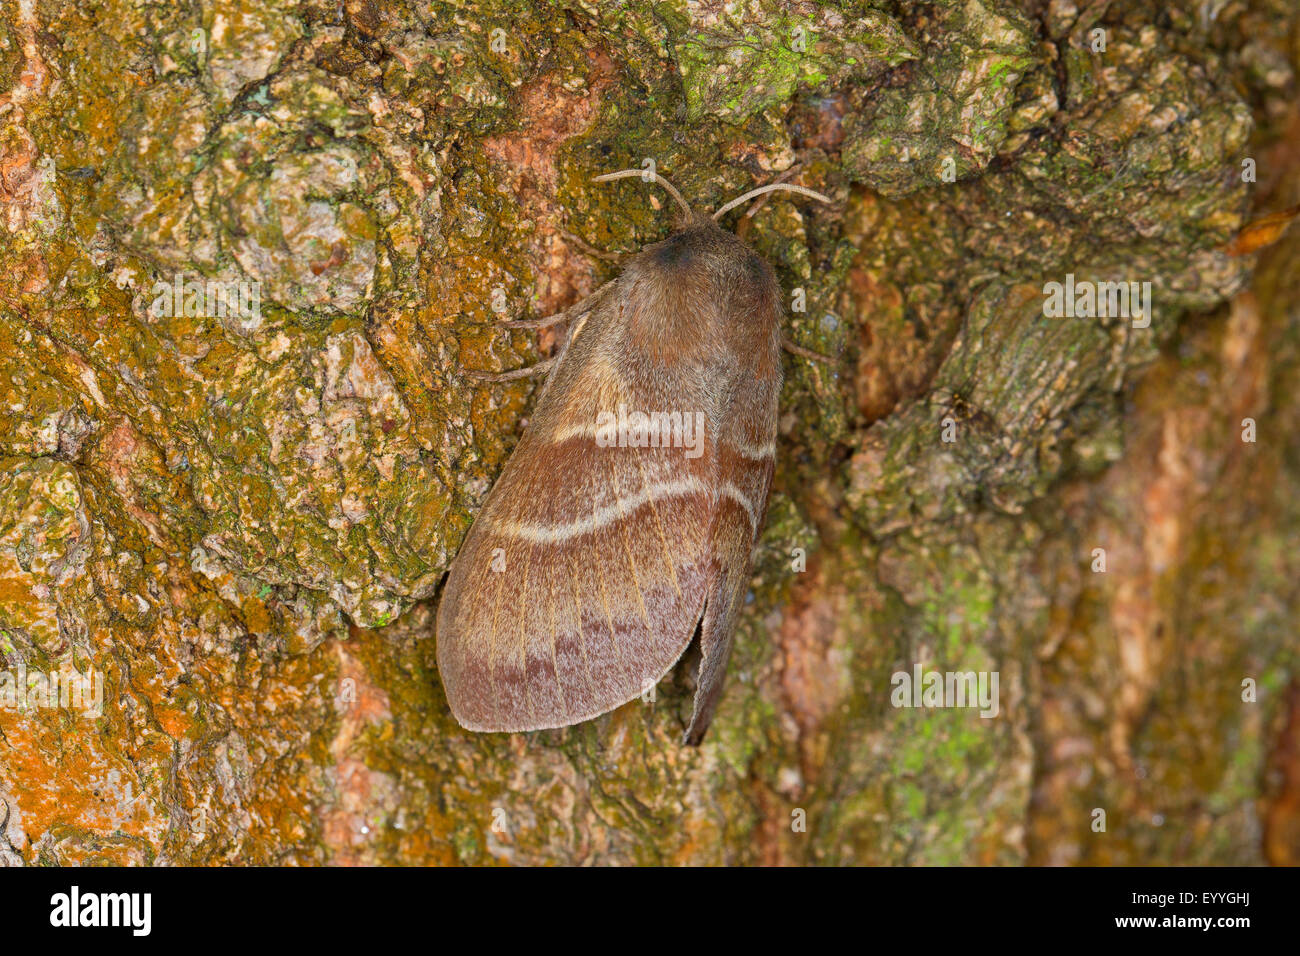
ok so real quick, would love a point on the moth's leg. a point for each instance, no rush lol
(588, 248)
(574, 311)
(799, 350)
(564, 315)
(539, 368)
(545, 323)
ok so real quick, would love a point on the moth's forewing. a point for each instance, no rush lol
(588, 569)
(583, 577)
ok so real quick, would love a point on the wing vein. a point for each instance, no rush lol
(523, 643)
(492, 644)
(604, 600)
(582, 635)
(555, 657)
(627, 545)
(659, 528)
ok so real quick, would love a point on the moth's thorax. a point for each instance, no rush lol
(702, 294)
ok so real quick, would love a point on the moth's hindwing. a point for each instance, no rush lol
(746, 461)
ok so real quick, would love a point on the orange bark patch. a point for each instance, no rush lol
(1282, 813)
(549, 115)
(347, 822)
(814, 674)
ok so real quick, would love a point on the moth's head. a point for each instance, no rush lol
(703, 263)
(704, 277)
(701, 247)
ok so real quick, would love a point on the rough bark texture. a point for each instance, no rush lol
(243, 524)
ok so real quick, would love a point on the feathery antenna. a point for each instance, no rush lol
(669, 187)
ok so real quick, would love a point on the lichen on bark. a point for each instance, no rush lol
(241, 525)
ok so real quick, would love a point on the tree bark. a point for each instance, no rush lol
(238, 519)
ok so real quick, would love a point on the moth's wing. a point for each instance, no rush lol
(746, 459)
(584, 576)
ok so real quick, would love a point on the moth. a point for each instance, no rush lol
(625, 519)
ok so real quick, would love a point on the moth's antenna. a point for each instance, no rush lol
(771, 187)
(671, 189)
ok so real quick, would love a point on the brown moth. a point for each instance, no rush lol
(626, 517)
